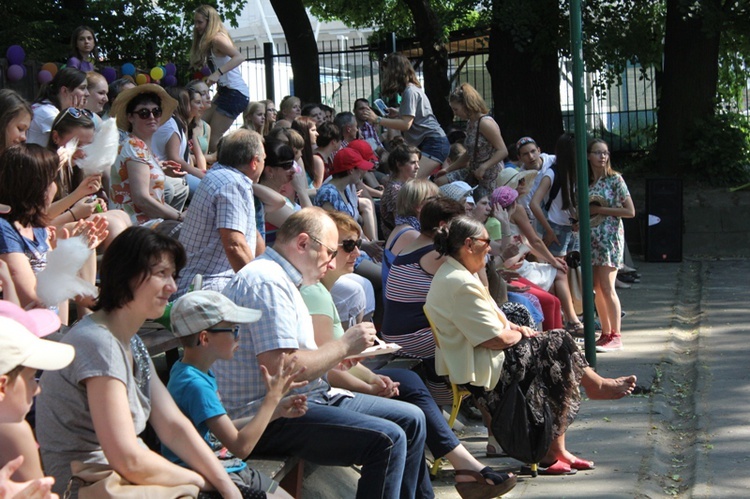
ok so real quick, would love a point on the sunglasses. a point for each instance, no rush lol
(348, 245)
(331, 252)
(235, 330)
(73, 112)
(144, 114)
(285, 165)
(485, 241)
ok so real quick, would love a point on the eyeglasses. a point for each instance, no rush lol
(331, 252)
(348, 245)
(73, 112)
(601, 154)
(235, 330)
(486, 241)
(144, 114)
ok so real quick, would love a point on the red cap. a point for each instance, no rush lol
(364, 149)
(349, 159)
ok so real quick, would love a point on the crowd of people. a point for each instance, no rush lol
(281, 251)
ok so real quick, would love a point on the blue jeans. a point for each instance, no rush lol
(386, 437)
(440, 438)
(568, 239)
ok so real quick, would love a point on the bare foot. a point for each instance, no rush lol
(611, 388)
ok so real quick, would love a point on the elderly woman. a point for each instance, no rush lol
(137, 175)
(93, 411)
(480, 348)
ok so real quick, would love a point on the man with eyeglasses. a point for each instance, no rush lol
(219, 232)
(386, 437)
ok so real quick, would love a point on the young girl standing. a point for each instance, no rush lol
(213, 46)
(610, 198)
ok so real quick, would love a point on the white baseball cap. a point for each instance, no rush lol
(457, 190)
(199, 310)
(21, 347)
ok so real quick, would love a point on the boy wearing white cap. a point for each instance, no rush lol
(207, 323)
(22, 353)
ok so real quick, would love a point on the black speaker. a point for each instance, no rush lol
(664, 220)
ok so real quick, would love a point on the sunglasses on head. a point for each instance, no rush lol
(348, 245)
(144, 114)
(74, 112)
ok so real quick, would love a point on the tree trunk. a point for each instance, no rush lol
(688, 90)
(303, 50)
(526, 83)
(429, 32)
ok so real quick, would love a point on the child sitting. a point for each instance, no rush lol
(23, 353)
(208, 325)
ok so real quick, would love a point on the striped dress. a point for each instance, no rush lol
(404, 321)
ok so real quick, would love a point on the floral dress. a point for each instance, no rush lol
(134, 149)
(478, 150)
(608, 237)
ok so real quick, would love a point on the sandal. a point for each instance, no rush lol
(582, 465)
(501, 484)
(556, 468)
(575, 329)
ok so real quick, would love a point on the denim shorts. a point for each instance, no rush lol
(435, 148)
(230, 102)
(569, 240)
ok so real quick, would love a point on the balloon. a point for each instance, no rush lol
(206, 71)
(170, 81)
(109, 74)
(197, 75)
(74, 62)
(142, 79)
(15, 72)
(128, 69)
(44, 76)
(15, 55)
(170, 69)
(157, 73)
(51, 67)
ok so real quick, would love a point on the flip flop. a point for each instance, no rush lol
(556, 468)
(582, 465)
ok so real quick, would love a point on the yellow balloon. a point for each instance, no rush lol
(51, 67)
(157, 73)
(141, 79)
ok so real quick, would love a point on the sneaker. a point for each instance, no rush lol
(611, 342)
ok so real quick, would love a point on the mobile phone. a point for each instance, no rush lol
(380, 105)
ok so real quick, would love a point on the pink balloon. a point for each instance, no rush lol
(44, 76)
(15, 72)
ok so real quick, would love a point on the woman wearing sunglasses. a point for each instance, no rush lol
(137, 174)
(330, 316)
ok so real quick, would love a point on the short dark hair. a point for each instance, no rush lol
(128, 261)
(26, 172)
(361, 99)
(327, 133)
(436, 210)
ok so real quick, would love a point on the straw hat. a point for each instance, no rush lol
(510, 177)
(168, 104)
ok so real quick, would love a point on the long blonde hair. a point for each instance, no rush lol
(202, 43)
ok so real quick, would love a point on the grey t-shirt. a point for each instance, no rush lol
(414, 102)
(63, 419)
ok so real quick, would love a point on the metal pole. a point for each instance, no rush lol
(579, 107)
(268, 63)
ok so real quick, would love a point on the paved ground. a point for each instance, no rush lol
(687, 435)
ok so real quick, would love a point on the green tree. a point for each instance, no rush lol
(143, 32)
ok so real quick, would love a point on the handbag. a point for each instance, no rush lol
(575, 280)
(100, 481)
(517, 431)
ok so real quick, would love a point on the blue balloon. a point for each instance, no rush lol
(128, 69)
(15, 55)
